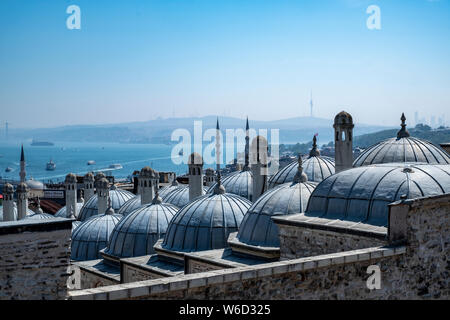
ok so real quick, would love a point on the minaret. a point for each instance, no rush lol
(22, 173)
(403, 133)
(218, 153)
(22, 200)
(209, 177)
(315, 152)
(8, 202)
(70, 183)
(148, 183)
(195, 164)
(259, 163)
(102, 186)
(343, 141)
(88, 185)
(247, 148)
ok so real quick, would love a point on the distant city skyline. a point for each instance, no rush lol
(139, 60)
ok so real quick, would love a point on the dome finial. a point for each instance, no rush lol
(110, 210)
(157, 199)
(300, 176)
(403, 133)
(38, 206)
(314, 151)
(219, 188)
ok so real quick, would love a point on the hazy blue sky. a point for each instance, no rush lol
(136, 60)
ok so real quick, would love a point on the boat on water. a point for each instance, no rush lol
(36, 143)
(90, 162)
(9, 169)
(51, 166)
(115, 166)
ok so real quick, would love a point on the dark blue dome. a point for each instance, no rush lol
(257, 228)
(137, 233)
(179, 196)
(239, 183)
(362, 194)
(118, 198)
(92, 236)
(206, 223)
(316, 168)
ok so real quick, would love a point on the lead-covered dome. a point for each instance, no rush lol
(92, 236)
(362, 194)
(206, 223)
(137, 233)
(179, 196)
(239, 183)
(403, 148)
(39, 216)
(316, 167)
(257, 228)
(62, 213)
(118, 198)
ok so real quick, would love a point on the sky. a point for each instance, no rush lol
(138, 60)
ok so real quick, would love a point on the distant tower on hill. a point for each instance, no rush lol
(311, 104)
(6, 130)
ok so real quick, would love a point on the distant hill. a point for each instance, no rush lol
(436, 136)
(292, 130)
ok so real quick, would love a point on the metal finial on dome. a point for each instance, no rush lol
(300, 176)
(110, 209)
(38, 208)
(219, 188)
(403, 133)
(157, 199)
(314, 151)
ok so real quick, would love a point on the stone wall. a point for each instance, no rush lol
(416, 269)
(34, 259)
(94, 280)
(299, 242)
(130, 273)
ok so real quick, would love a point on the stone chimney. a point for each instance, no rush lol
(22, 200)
(343, 141)
(8, 202)
(88, 186)
(71, 195)
(209, 177)
(195, 165)
(148, 183)
(259, 164)
(102, 187)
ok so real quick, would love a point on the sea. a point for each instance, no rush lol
(74, 156)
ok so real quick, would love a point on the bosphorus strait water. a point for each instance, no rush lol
(74, 156)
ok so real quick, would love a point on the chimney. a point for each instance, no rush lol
(102, 186)
(343, 141)
(195, 165)
(8, 203)
(22, 200)
(71, 195)
(148, 183)
(88, 185)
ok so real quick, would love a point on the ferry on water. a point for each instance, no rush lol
(90, 162)
(51, 166)
(115, 166)
(36, 143)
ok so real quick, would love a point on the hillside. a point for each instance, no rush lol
(436, 136)
(293, 130)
